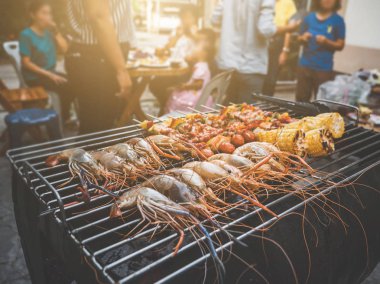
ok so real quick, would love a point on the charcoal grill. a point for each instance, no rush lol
(66, 240)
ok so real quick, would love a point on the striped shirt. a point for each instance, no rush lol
(121, 13)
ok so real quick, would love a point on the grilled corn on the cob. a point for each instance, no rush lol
(289, 140)
(333, 122)
(292, 141)
(269, 136)
(319, 142)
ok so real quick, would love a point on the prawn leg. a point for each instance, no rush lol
(162, 153)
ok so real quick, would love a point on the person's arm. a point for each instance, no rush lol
(285, 50)
(266, 25)
(291, 27)
(195, 85)
(28, 64)
(59, 39)
(337, 45)
(174, 38)
(61, 42)
(100, 16)
(304, 36)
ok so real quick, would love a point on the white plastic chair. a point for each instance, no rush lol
(13, 51)
(12, 48)
(217, 89)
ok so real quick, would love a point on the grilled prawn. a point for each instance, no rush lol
(145, 150)
(221, 179)
(117, 166)
(82, 165)
(192, 179)
(126, 152)
(172, 148)
(155, 208)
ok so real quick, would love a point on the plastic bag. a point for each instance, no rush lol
(344, 89)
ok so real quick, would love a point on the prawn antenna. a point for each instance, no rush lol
(219, 266)
(228, 233)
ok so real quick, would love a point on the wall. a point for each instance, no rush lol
(363, 36)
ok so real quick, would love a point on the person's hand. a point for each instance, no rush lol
(52, 24)
(162, 52)
(293, 26)
(125, 83)
(305, 37)
(59, 80)
(321, 39)
(53, 27)
(283, 58)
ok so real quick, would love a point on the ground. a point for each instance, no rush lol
(12, 265)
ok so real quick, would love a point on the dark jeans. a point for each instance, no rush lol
(243, 86)
(94, 81)
(275, 49)
(159, 87)
(64, 91)
(308, 82)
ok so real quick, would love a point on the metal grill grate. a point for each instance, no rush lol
(120, 259)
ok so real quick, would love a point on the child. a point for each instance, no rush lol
(179, 47)
(38, 48)
(323, 33)
(181, 42)
(187, 95)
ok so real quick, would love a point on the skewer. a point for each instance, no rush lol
(137, 121)
(210, 108)
(181, 112)
(194, 110)
(154, 117)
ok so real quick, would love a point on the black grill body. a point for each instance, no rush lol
(65, 241)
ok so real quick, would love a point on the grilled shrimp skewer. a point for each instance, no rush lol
(155, 208)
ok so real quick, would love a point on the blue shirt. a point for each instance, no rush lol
(315, 56)
(40, 49)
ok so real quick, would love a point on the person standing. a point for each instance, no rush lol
(102, 32)
(279, 46)
(246, 26)
(323, 33)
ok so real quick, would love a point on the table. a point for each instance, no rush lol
(146, 74)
